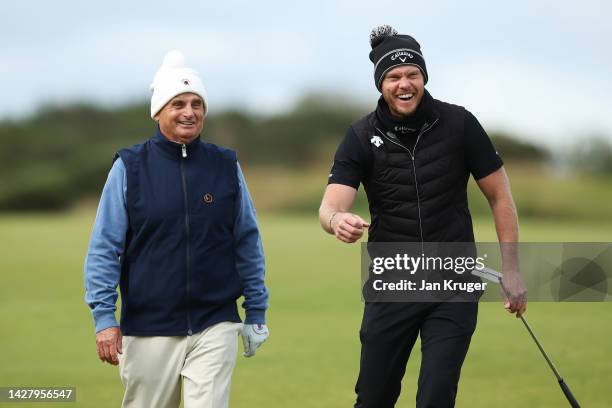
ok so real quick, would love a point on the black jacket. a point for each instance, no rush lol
(418, 194)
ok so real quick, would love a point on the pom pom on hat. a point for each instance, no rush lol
(174, 78)
(174, 59)
(379, 33)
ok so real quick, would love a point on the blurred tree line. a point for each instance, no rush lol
(60, 155)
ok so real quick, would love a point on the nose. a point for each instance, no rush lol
(404, 82)
(188, 111)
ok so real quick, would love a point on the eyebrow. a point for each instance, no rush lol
(183, 102)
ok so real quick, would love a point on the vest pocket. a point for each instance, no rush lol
(137, 291)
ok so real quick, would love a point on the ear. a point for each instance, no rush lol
(204, 107)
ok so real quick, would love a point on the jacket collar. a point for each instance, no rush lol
(428, 105)
(174, 149)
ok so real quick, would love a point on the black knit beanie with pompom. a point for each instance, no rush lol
(390, 49)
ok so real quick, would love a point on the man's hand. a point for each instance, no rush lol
(514, 293)
(109, 343)
(348, 227)
(253, 336)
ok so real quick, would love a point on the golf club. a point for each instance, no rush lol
(494, 276)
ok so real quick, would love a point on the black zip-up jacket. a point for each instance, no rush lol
(418, 194)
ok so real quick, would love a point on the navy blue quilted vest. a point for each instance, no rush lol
(178, 272)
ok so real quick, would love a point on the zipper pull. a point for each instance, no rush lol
(184, 149)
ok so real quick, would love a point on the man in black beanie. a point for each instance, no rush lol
(414, 155)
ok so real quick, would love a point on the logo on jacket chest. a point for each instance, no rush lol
(376, 141)
(208, 198)
(404, 129)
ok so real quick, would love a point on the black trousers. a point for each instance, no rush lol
(388, 333)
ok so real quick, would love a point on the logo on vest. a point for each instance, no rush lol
(402, 55)
(208, 198)
(404, 129)
(376, 141)
(185, 81)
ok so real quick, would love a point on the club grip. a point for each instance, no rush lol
(568, 394)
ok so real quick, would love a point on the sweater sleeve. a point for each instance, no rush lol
(102, 263)
(250, 262)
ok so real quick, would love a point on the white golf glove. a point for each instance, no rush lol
(253, 336)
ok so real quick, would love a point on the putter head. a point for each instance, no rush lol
(488, 274)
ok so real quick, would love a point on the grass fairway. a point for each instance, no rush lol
(311, 358)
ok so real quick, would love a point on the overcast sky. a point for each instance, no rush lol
(537, 68)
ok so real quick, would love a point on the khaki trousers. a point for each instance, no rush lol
(151, 368)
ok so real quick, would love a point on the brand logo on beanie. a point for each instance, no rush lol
(185, 81)
(402, 56)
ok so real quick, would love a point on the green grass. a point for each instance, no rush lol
(311, 358)
(539, 192)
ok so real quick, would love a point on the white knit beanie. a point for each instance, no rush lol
(174, 78)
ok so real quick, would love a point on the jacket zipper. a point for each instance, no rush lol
(416, 183)
(187, 252)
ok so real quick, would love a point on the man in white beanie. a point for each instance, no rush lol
(176, 231)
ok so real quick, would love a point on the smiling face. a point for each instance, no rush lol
(403, 89)
(181, 120)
